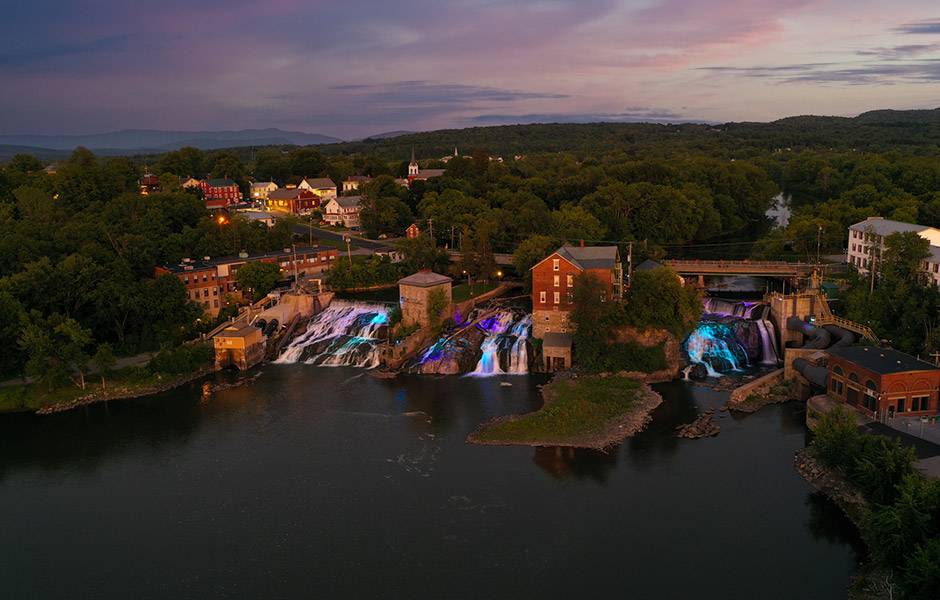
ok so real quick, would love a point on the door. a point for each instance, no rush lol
(852, 396)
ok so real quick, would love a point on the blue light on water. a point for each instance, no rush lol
(715, 346)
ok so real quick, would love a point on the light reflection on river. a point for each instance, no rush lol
(328, 483)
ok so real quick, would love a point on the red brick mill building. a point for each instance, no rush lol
(220, 193)
(882, 382)
(553, 283)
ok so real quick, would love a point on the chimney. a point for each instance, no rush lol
(582, 243)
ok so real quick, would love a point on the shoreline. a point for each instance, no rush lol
(615, 432)
(121, 393)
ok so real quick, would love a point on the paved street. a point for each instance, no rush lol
(337, 237)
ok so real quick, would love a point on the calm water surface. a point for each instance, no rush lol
(327, 483)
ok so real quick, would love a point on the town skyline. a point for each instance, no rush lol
(363, 68)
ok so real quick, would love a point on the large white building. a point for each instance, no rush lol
(867, 243)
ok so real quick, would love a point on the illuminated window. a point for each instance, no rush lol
(556, 282)
(570, 280)
(542, 297)
(556, 264)
(557, 298)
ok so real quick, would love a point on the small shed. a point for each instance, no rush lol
(415, 292)
(556, 351)
(239, 346)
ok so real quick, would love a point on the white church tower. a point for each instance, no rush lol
(413, 165)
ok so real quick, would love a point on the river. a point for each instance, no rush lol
(327, 483)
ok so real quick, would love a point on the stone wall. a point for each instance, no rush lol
(549, 321)
(757, 387)
(648, 338)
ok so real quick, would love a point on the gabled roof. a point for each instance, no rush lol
(347, 201)
(885, 227)
(358, 178)
(587, 257)
(319, 182)
(290, 194)
(263, 184)
(648, 265)
(430, 172)
(220, 182)
(425, 279)
(883, 361)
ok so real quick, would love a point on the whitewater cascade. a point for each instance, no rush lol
(732, 336)
(345, 334)
(504, 333)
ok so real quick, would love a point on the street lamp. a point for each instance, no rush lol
(348, 241)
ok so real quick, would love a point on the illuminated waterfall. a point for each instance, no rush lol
(519, 354)
(494, 327)
(345, 334)
(505, 335)
(713, 345)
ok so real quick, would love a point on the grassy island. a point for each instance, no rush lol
(584, 412)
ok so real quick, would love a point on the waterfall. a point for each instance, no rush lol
(345, 334)
(519, 355)
(504, 333)
(714, 345)
(768, 342)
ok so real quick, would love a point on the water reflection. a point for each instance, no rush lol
(576, 463)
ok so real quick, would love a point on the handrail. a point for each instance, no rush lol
(863, 330)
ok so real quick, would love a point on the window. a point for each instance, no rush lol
(919, 403)
(557, 298)
(838, 370)
(556, 264)
(853, 378)
(556, 282)
(542, 297)
(570, 280)
(901, 405)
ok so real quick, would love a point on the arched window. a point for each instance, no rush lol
(853, 378)
(838, 370)
(870, 385)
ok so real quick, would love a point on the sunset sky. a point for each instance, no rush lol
(352, 68)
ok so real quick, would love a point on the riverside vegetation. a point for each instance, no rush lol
(899, 514)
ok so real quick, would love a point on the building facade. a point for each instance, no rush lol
(553, 283)
(261, 189)
(343, 211)
(321, 186)
(353, 183)
(220, 193)
(413, 231)
(867, 244)
(415, 292)
(209, 281)
(882, 382)
(296, 201)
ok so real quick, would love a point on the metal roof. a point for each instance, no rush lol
(590, 257)
(883, 361)
(884, 227)
(425, 279)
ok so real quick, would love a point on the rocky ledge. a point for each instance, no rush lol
(833, 484)
(703, 426)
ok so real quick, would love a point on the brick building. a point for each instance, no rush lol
(553, 283)
(882, 382)
(413, 231)
(296, 201)
(208, 281)
(220, 193)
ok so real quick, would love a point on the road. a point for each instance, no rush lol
(337, 237)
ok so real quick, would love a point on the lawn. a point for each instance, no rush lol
(574, 409)
(462, 292)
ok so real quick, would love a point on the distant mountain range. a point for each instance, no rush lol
(148, 141)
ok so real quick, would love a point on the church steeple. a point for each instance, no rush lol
(413, 165)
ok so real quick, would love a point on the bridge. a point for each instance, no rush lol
(501, 259)
(742, 267)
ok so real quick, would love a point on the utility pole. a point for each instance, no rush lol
(348, 241)
(629, 266)
(818, 235)
(296, 280)
(936, 358)
(431, 230)
(311, 230)
(871, 263)
(451, 237)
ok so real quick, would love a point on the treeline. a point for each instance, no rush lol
(902, 527)
(831, 191)
(77, 257)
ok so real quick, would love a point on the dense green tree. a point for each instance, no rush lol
(258, 278)
(529, 253)
(657, 298)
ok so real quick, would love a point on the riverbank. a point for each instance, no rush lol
(128, 383)
(593, 412)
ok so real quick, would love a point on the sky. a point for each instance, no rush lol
(351, 68)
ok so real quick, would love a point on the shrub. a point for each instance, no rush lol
(182, 359)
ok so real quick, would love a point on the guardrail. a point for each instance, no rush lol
(862, 330)
(740, 266)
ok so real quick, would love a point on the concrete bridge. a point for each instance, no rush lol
(501, 259)
(742, 267)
